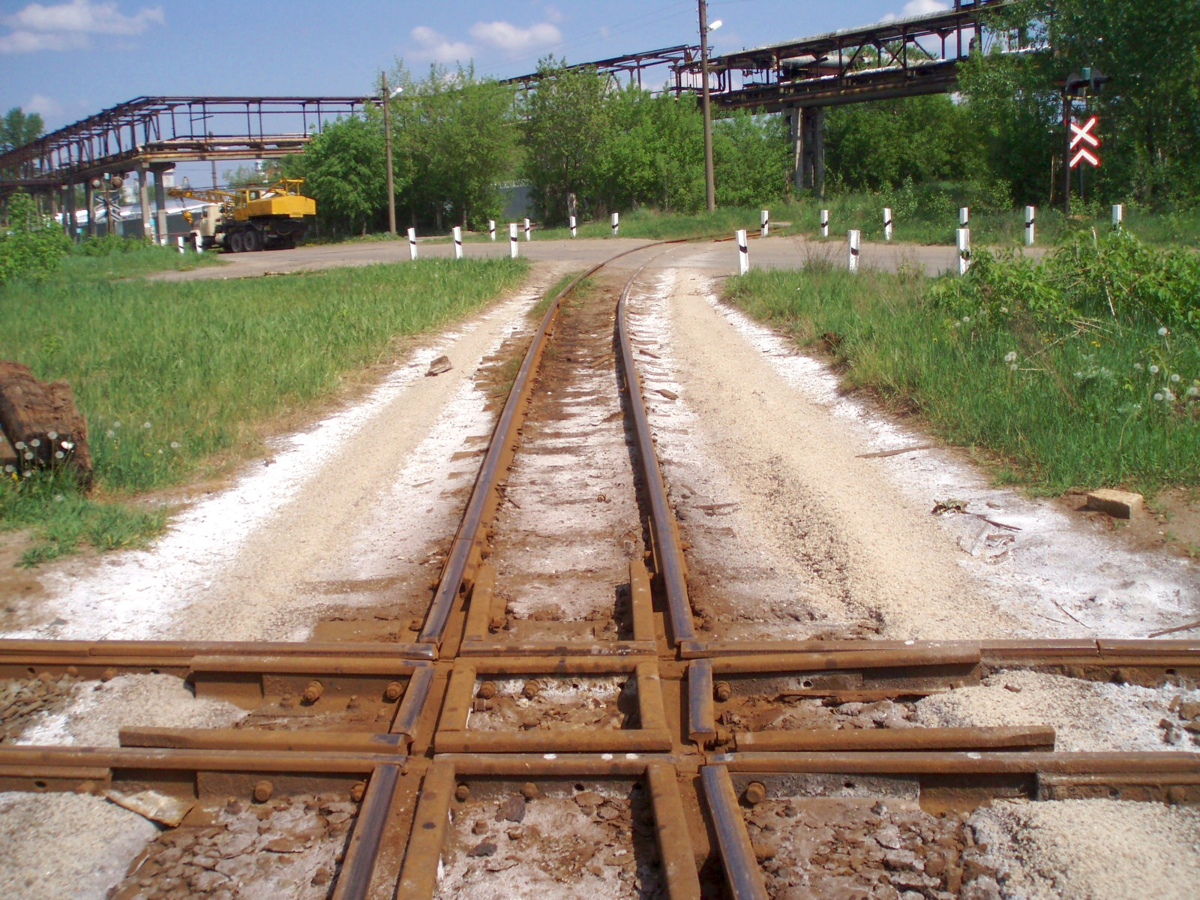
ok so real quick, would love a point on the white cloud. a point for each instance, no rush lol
(552, 13)
(46, 107)
(67, 26)
(31, 42)
(924, 7)
(436, 47)
(506, 36)
(85, 16)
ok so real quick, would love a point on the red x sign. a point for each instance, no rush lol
(1082, 134)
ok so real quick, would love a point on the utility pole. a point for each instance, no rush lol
(387, 142)
(710, 190)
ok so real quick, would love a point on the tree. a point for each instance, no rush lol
(454, 138)
(31, 246)
(18, 129)
(343, 168)
(1149, 111)
(566, 128)
(875, 146)
(654, 152)
(750, 158)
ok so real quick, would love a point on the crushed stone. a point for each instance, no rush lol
(1092, 849)
(1087, 716)
(66, 845)
(99, 710)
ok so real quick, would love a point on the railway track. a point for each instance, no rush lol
(557, 722)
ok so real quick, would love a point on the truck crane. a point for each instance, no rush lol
(267, 217)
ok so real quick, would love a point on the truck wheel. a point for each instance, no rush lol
(236, 242)
(252, 240)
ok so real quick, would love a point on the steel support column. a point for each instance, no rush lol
(809, 148)
(90, 199)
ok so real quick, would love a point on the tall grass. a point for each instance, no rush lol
(176, 378)
(1078, 404)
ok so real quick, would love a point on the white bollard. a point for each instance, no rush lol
(964, 250)
(492, 228)
(572, 221)
(887, 223)
(457, 242)
(198, 241)
(853, 239)
(616, 223)
(824, 223)
(527, 231)
(1118, 214)
(179, 241)
(766, 222)
(743, 252)
(1030, 225)
(964, 217)
(512, 239)
(412, 243)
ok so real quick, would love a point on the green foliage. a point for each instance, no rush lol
(1115, 277)
(751, 159)
(1062, 399)
(652, 153)
(18, 129)
(567, 122)
(344, 172)
(873, 146)
(108, 244)
(453, 138)
(31, 246)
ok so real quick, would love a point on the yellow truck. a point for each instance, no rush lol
(270, 217)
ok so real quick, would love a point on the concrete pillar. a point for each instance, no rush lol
(160, 204)
(144, 200)
(795, 135)
(68, 219)
(90, 195)
(812, 129)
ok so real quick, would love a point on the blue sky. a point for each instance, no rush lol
(67, 59)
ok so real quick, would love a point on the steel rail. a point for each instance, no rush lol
(668, 549)
(468, 542)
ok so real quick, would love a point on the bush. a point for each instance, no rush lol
(31, 247)
(108, 244)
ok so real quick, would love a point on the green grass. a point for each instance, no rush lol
(930, 217)
(131, 263)
(177, 379)
(1078, 410)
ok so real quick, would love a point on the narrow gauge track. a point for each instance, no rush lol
(674, 785)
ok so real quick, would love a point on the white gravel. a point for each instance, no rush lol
(1092, 849)
(1087, 716)
(98, 710)
(66, 845)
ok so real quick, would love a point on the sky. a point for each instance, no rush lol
(68, 59)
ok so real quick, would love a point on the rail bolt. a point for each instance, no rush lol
(531, 689)
(462, 793)
(393, 692)
(722, 691)
(487, 690)
(263, 791)
(108, 674)
(313, 692)
(530, 791)
(756, 793)
(357, 791)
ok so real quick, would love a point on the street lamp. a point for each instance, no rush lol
(710, 190)
(387, 143)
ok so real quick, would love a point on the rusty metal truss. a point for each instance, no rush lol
(162, 131)
(680, 58)
(902, 58)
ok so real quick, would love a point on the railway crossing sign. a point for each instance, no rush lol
(1081, 140)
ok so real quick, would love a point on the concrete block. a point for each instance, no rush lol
(1118, 504)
